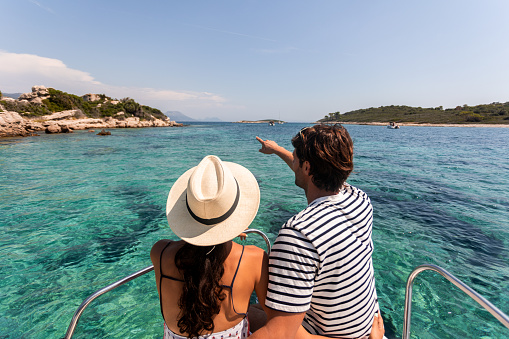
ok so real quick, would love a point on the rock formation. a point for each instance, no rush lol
(12, 124)
(104, 132)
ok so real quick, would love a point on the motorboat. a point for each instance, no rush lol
(392, 125)
(498, 314)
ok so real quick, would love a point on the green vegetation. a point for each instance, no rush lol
(25, 109)
(494, 113)
(104, 107)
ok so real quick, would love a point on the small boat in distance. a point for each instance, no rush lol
(392, 125)
(271, 123)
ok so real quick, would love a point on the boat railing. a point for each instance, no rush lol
(503, 318)
(86, 302)
(498, 314)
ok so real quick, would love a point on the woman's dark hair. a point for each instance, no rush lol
(202, 292)
(329, 150)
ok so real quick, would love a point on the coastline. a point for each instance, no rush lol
(413, 124)
(257, 121)
(12, 124)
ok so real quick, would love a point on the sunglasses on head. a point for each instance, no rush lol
(300, 132)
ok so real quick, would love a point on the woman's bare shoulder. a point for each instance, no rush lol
(157, 248)
(254, 253)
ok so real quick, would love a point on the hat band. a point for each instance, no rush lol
(217, 220)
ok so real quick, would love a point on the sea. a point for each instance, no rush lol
(80, 211)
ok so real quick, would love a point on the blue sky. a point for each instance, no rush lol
(261, 59)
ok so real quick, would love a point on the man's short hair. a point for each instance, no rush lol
(329, 151)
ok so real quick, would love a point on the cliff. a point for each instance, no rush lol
(25, 116)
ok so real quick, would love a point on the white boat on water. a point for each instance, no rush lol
(498, 314)
(392, 125)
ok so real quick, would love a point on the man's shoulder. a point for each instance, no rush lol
(350, 189)
(348, 195)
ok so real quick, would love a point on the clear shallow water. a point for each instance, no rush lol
(80, 211)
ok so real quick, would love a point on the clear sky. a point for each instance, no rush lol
(246, 59)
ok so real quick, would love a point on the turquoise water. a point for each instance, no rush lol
(80, 211)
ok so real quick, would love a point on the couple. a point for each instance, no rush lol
(319, 281)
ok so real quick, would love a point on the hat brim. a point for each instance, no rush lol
(188, 229)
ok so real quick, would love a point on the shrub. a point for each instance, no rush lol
(25, 109)
(474, 117)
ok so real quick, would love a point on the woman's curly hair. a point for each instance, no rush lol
(202, 292)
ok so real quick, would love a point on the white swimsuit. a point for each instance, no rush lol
(239, 331)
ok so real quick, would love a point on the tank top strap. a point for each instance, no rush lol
(238, 265)
(233, 281)
(161, 276)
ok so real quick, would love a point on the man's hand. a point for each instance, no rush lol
(271, 147)
(377, 329)
(268, 146)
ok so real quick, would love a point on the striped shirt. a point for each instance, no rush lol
(321, 264)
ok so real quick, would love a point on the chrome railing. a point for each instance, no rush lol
(503, 318)
(84, 304)
(263, 235)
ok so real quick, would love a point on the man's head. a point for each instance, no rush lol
(329, 152)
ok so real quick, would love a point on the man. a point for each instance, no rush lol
(320, 269)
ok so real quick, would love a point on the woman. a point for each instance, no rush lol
(205, 280)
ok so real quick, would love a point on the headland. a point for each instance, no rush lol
(495, 114)
(50, 111)
(413, 124)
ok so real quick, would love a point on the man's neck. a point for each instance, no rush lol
(313, 193)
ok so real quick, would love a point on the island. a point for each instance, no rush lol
(264, 121)
(486, 115)
(52, 111)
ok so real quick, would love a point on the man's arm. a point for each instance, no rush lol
(271, 147)
(377, 330)
(279, 325)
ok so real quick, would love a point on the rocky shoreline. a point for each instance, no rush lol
(13, 124)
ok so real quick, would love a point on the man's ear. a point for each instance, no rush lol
(306, 166)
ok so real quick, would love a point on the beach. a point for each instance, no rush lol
(417, 124)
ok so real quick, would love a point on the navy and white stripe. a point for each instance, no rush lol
(321, 264)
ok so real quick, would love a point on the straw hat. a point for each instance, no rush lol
(213, 202)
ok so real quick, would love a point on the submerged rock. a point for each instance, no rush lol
(104, 132)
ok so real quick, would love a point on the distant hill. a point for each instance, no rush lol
(178, 116)
(494, 113)
(12, 95)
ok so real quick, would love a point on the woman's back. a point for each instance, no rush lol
(245, 270)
